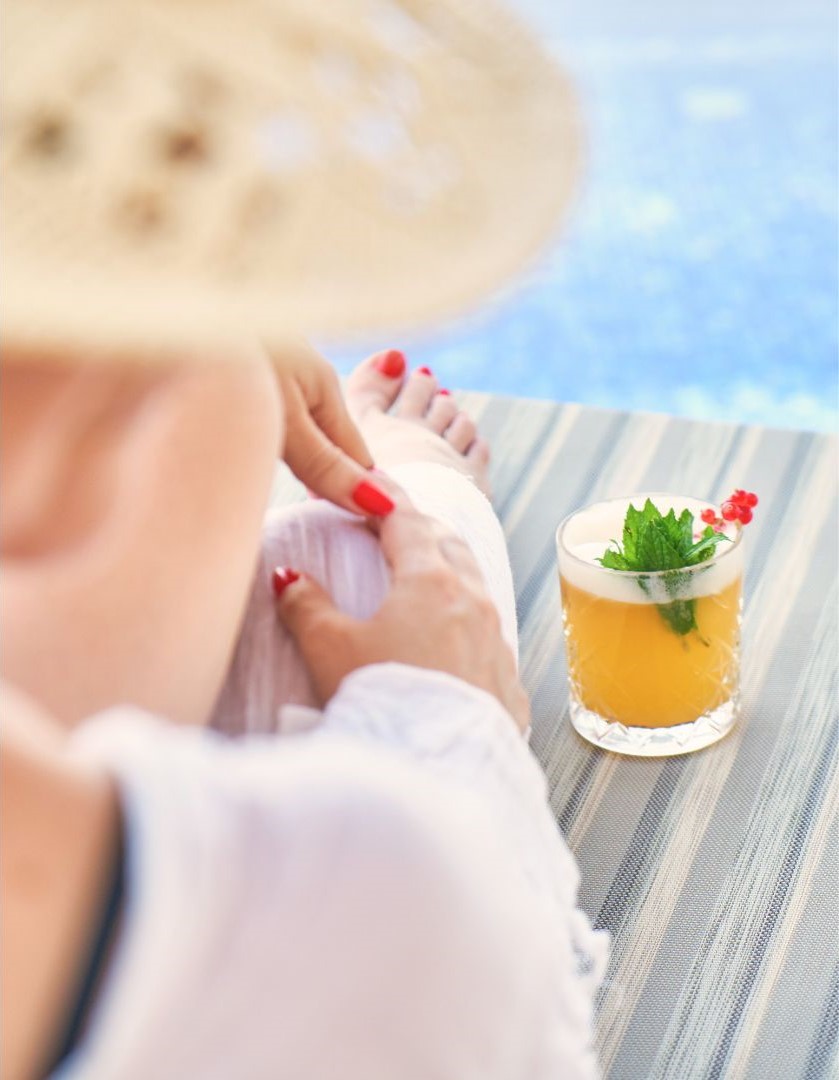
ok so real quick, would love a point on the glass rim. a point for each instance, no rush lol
(717, 557)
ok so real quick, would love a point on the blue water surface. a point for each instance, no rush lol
(697, 274)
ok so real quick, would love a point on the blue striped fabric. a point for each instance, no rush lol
(716, 873)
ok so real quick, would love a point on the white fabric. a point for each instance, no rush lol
(385, 896)
(340, 552)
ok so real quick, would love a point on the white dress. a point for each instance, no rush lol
(380, 893)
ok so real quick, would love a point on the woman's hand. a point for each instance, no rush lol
(437, 615)
(323, 447)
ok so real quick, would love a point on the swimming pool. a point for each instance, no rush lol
(697, 274)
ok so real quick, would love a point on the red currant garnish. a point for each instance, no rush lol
(708, 516)
(730, 511)
(739, 505)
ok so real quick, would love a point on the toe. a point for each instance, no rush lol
(477, 460)
(417, 394)
(376, 382)
(442, 410)
(461, 432)
(478, 453)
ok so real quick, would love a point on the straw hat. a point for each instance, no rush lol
(179, 173)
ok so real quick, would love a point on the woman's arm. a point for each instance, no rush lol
(353, 905)
(133, 500)
(388, 897)
(165, 485)
(59, 836)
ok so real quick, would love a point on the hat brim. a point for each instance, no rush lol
(214, 184)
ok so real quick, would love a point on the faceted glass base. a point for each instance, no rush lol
(657, 741)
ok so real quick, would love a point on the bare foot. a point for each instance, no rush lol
(409, 418)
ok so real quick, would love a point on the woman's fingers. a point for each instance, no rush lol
(325, 468)
(409, 542)
(323, 447)
(320, 387)
(323, 633)
(437, 615)
(331, 416)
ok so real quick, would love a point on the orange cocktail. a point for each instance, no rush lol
(653, 657)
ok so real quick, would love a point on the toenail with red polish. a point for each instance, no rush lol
(372, 500)
(424, 370)
(282, 578)
(444, 392)
(391, 363)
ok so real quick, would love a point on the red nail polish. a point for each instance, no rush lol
(391, 363)
(444, 392)
(424, 370)
(372, 500)
(282, 578)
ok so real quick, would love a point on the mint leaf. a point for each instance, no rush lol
(673, 528)
(704, 546)
(632, 526)
(675, 582)
(614, 560)
(654, 542)
(686, 529)
(655, 551)
(680, 615)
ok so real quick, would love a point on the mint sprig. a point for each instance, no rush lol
(655, 542)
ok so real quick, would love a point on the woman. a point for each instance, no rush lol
(381, 893)
(386, 895)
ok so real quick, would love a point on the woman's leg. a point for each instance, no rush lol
(420, 438)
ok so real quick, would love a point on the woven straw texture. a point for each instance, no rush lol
(179, 174)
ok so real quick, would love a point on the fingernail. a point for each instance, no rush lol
(282, 578)
(372, 500)
(391, 363)
(444, 392)
(424, 370)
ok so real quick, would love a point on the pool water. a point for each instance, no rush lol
(697, 273)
